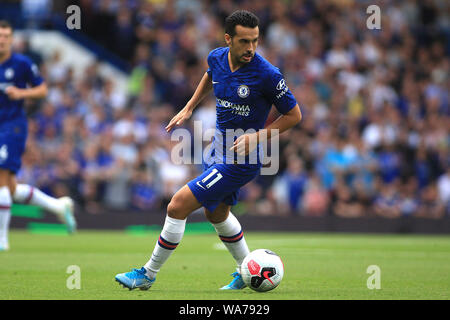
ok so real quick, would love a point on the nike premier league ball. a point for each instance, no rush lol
(262, 270)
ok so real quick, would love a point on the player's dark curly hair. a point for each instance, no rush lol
(241, 17)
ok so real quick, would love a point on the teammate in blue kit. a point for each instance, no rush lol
(246, 86)
(19, 80)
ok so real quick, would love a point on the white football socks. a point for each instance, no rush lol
(170, 237)
(5, 215)
(28, 194)
(230, 232)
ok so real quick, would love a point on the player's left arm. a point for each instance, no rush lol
(281, 124)
(247, 142)
(280, 95)
(37, 92)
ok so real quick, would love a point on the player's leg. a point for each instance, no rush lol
(5, 209)
(230, 232)
(12, 144)
(182, 204)
(63, 207)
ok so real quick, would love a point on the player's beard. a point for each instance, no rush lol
(244, 59)
(239, 59)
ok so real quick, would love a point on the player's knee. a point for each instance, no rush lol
(175, 209)
(4, 178)
(211, 218)
(12, 187)
(208, 215)
(182, 204)
(219, 215)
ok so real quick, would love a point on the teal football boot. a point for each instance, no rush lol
(68, 217)
(136, 278)
(236, 284)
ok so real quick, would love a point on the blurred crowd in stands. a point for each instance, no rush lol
(374, 139)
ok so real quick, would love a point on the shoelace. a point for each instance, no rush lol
(138, 271)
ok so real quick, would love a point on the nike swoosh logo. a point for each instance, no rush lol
(266, 275)
(214, 82)
(198, 183)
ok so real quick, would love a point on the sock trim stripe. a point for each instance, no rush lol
(166, 244)
(234, 238)
(5, 207)
(30, 196)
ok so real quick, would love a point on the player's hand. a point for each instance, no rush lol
(14, 93)
(179, 119)
(245, 144)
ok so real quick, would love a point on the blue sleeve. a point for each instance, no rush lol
(210, 63)
(278, 92)
(33, 76)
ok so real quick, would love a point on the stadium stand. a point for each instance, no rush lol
(374, 139)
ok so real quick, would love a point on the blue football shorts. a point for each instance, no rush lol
(13, 137)
(221, 183)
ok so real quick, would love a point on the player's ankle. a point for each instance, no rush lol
(150, 273)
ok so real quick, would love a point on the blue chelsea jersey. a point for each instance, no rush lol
(244, 97)
(18, 71)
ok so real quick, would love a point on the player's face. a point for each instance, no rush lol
(5, 40)
(243, 44)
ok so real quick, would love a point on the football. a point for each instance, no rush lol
(262, 270)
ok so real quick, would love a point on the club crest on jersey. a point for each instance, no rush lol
(243, 91)
(9, 74)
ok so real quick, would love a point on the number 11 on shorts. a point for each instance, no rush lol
(209, 176)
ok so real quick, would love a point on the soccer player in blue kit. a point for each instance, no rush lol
(17, 72)
(245, 85)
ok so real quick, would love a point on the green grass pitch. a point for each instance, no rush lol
(317, 266)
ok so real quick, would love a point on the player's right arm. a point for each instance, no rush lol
(204, 87)
(37, 87)
(38, 92)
